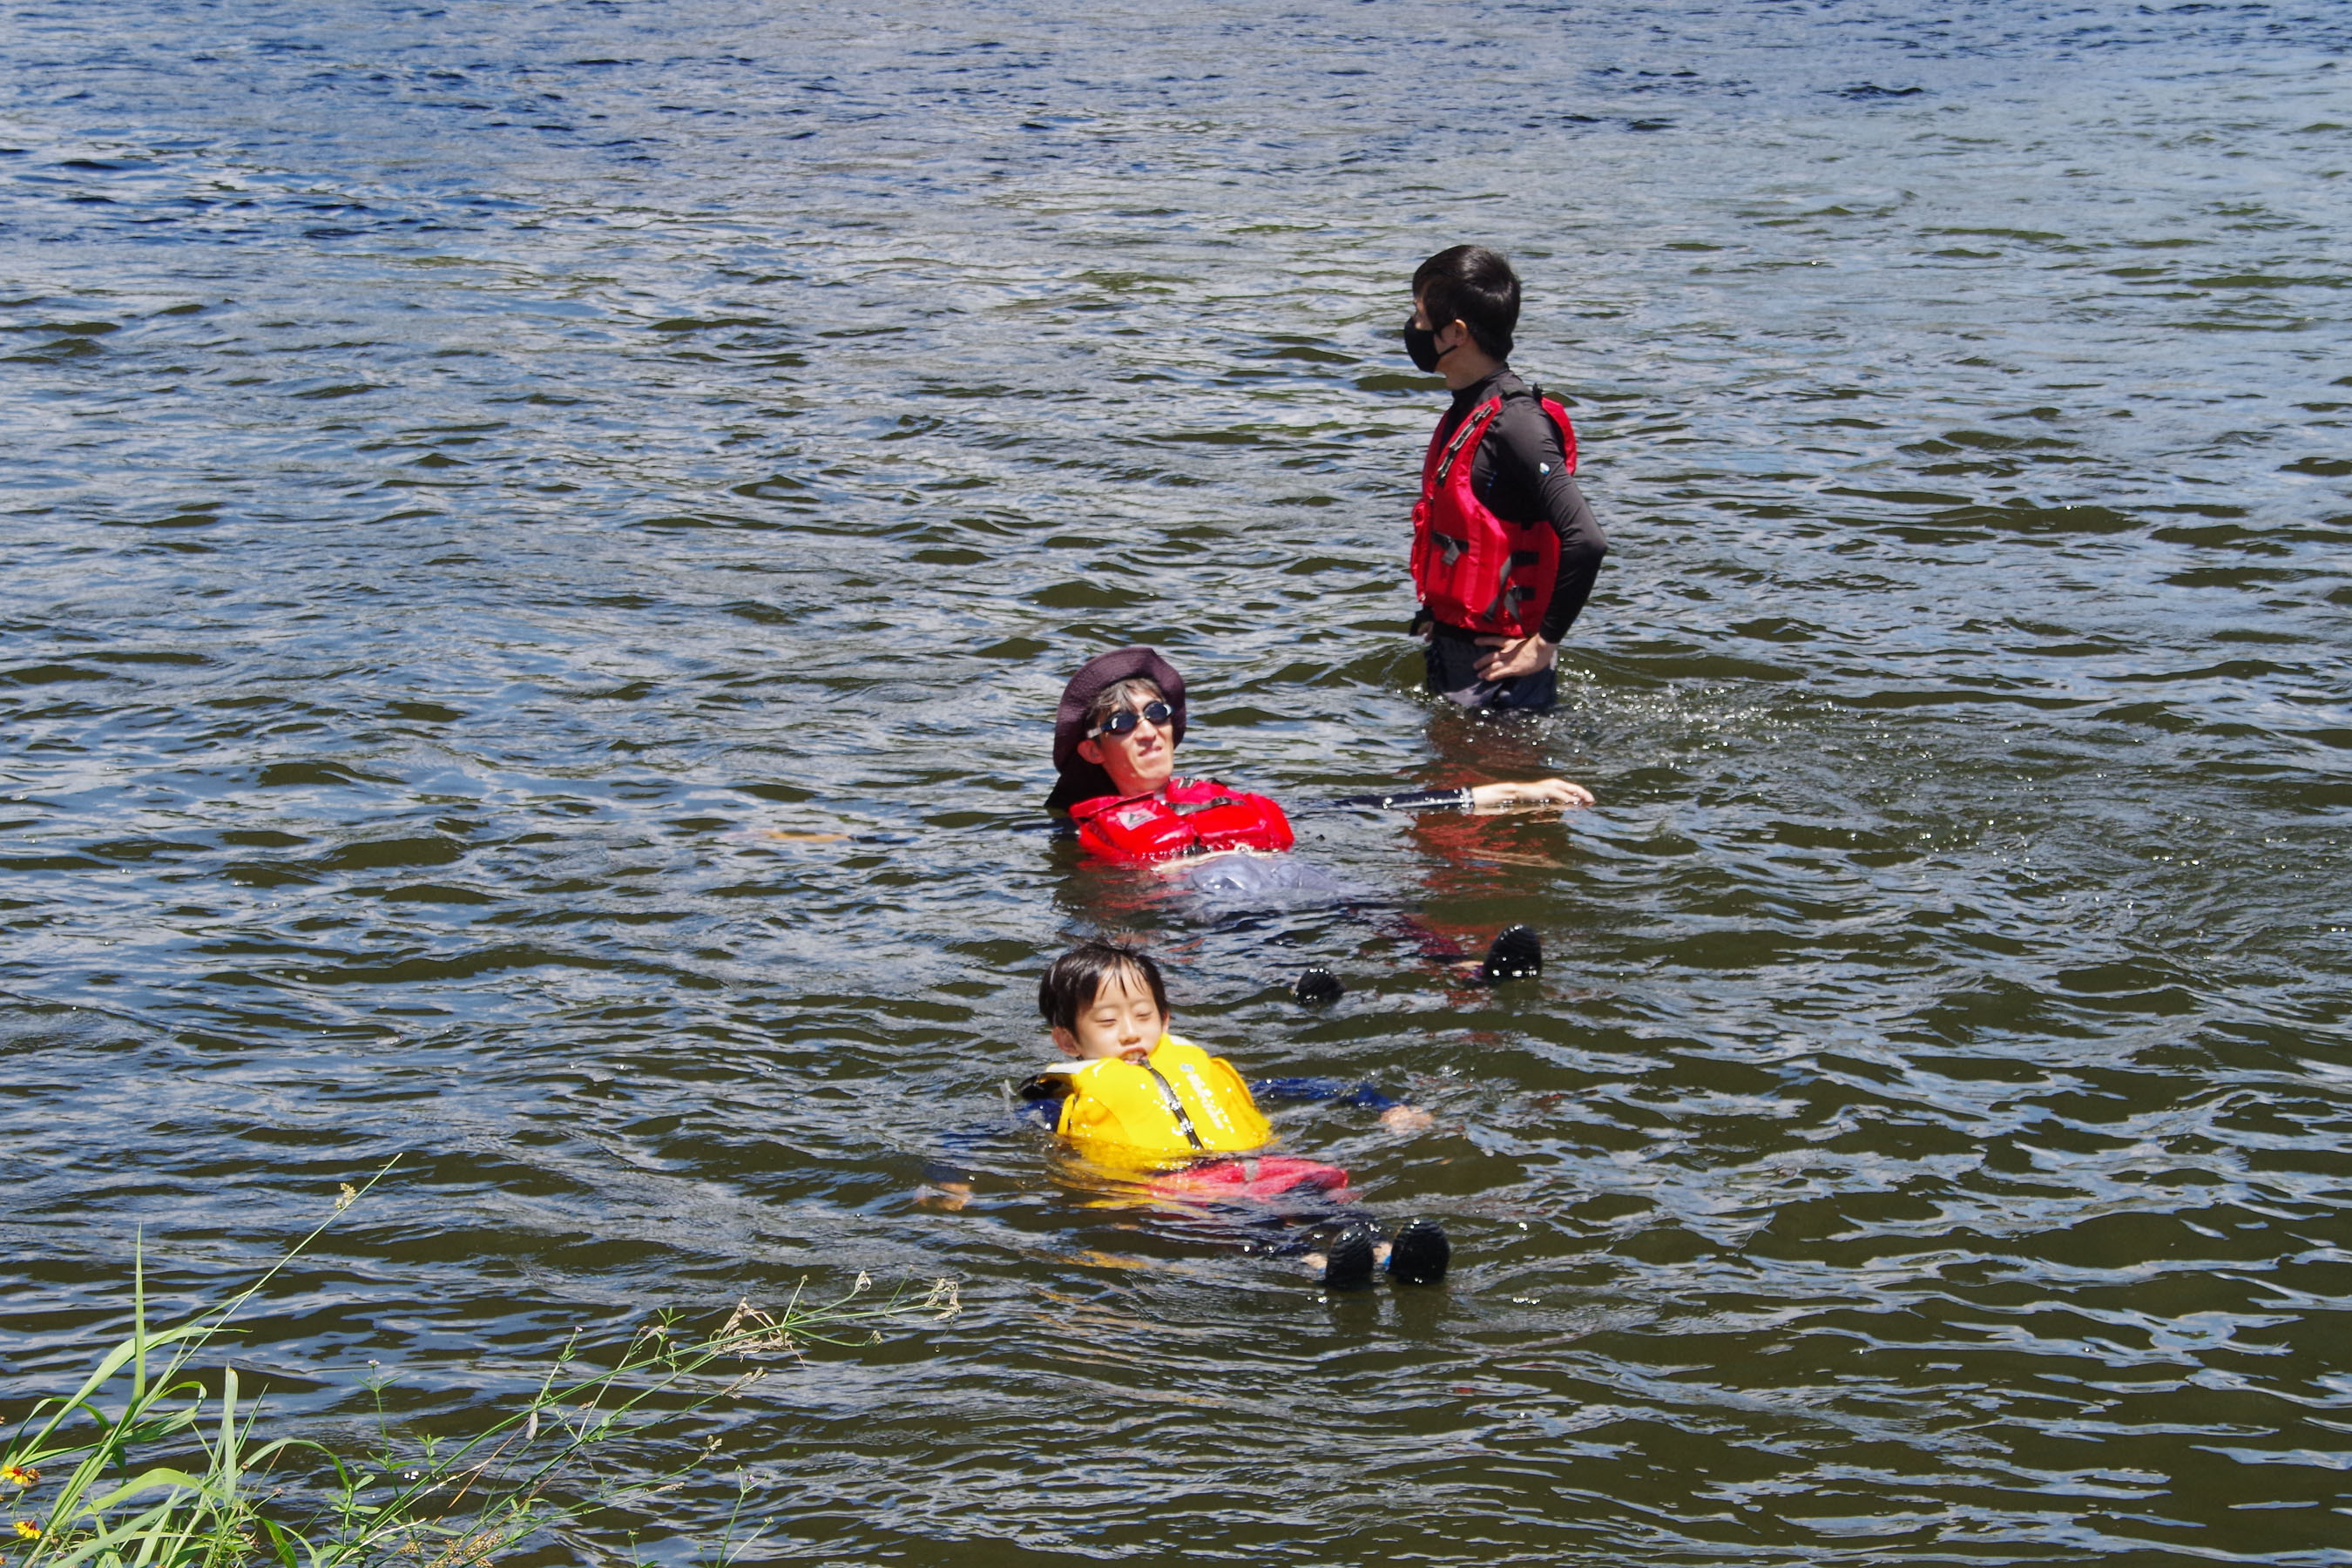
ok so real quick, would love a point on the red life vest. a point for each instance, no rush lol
(1190, 816)
(1470, 567)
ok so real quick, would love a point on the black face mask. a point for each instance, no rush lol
(1420, 345)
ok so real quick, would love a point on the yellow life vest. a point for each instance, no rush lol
(1176, 1105)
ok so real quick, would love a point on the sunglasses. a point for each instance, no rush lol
(1120, 722)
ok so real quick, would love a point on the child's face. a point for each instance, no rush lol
(1121, 1021)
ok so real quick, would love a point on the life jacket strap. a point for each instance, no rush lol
(1175, 1103)
(1473, 424)
(1187, 807)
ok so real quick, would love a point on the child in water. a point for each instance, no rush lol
(1142, 1101)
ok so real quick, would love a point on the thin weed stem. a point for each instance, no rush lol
(174, 1472)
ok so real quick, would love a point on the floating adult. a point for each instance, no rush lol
(1505, 549)
(1116, 732)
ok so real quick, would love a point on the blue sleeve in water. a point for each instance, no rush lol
(1026, 1112)
(1042, 1113)
(1337, 1091)
(962, 1143)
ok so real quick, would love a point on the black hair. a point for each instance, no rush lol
(1072, 982)
(1473, 285)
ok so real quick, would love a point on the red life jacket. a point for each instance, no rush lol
(1470, 567)
(1190, 817)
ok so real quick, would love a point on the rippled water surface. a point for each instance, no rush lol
(476, 475)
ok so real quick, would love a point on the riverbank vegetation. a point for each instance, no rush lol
(162, 1455)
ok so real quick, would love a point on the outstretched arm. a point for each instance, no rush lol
(1533, 792)
(947, 1184)
(1472, 797)
(1395, 1114)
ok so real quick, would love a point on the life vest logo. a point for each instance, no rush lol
(1204, 1099)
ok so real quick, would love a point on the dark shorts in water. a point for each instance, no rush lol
(1451, 662)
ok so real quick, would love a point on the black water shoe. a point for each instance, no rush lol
(1518, 955)
(1420, 1253)
(1316, 987)
(1349, 1260)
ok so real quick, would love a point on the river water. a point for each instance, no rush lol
(476, 474)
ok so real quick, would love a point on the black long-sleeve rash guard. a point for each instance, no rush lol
(1520, 473)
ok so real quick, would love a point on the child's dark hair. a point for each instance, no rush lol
(1073, 981)
(1471, 284)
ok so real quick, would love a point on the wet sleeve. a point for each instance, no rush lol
(963, 1143)
(1038, 1107)
(1041, 1100)
(947, 1167)
(1326, 1091)
(1530, 480)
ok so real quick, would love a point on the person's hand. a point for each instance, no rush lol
(1407, 1119)
(1510, 656)
(1534, 792)
(945, 1196)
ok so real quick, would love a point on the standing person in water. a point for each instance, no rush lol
(1115, 737)
(1505, 550)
